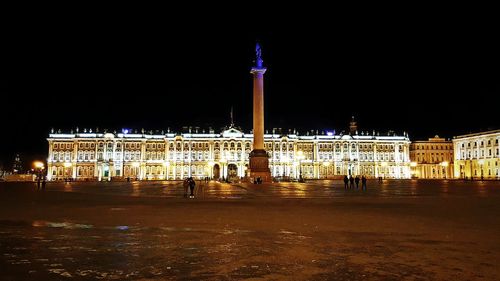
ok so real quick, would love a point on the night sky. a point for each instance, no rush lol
(423, 75)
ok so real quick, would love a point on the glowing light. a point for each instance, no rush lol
(135, 164)
(38, 164)
(329, 134)
(125, 131)
(326, 163)
(166, 163)
(444, 164)
(67, 164)
(383, 164)
(480, 161)
(211, 163)
(300, 155)
(413, 164)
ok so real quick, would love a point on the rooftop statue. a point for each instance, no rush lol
(258, 56)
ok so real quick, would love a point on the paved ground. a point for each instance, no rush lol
(397, 230)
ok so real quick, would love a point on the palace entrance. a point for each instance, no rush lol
(216, 172)
(232, 173)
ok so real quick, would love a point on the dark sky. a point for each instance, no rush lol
(424, 74)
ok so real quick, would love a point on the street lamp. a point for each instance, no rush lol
(39, 166)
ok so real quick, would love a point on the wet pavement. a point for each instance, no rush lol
(396, 230)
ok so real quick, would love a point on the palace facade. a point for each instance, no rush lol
(477, 155)
(148, 156)
(432, 159)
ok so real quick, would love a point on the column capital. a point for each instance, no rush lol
(261, 70)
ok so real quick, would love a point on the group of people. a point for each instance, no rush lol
(41, 180)
(191, 184)
(352, 180)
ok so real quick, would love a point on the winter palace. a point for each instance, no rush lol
(147, 156)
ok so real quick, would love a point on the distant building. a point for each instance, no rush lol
(477, 155)
(17, 167)
(103, 156)
(432, 159)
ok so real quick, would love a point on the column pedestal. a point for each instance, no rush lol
(259, 166)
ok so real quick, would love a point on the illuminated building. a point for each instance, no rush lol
(432, 159)
(477, 155)
(103, 156)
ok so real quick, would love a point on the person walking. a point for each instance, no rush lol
(44, 181)
(192, 184)
(346, 181)
(38, 182)
(357, 182)
(363, 183)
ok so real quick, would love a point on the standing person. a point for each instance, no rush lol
(38, 182)
(346, 180)
(44, 181)
(357, 182)
(363, 183)
(192, 184)
(351, 180)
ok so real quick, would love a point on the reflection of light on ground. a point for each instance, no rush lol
(68, 187)
(482, 188)
(136, 191)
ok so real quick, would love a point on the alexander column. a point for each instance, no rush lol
(259, 160)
